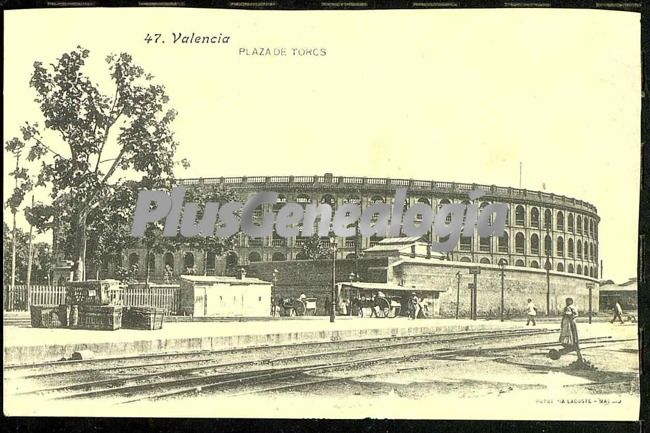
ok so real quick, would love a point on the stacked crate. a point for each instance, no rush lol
(93, 305)
(149, 318)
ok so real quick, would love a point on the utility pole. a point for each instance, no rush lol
(30, 253)
(502, 265)
(548, 273)
(458, 294)
(333, 307)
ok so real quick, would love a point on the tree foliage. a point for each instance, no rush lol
(102, 139)
(41, 255)
(313, 248)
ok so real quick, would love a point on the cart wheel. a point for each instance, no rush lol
(554, 354)
(299, 308)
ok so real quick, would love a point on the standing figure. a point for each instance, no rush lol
(414, 306)
(568, 329)
(531, 312)
(618, 313)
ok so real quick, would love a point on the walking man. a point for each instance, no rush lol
(618, 313)
(531, 312)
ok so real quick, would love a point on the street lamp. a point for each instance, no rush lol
(548, 270)
(275, 281)
(333, 250)
(458, 276)
(502, 265)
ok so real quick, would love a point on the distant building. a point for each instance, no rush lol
(626, 294)
(542, 229)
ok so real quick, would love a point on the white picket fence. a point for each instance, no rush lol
(161, 296)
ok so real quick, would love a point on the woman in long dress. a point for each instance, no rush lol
(567, 335)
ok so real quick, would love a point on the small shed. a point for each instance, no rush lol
(625, 293)
(204, 296)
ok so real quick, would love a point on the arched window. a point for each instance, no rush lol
(534, 217)
(579, 270)
(591, 252)
(560, 246)
(465, 259)
(254, 257)
(188, 261)
(570, 224)
(548, 245)
(280, 202)
(303, 199)
(152, 262)
(278, 257)
(520, 215)
(211, 259)
(570, 268)
(328, 199)
(579, 245)
(232, 260)
(503, 243)
(443, 202)
(520, 243)
(570, 248)
(377, 199)
(485, 261)
(534, 244)
(424, 200)
(519, 263)
(548, 266)
(586, 271)
(592, 230)
(465, 243)
(591, 272)
(559, 221)
(560, 267)
(579, 224)
(534, 264)
(586, 250)
(353, 199)
(484, 244)
(133, 260)
(483, 206)
(169, 260)
(548, 219)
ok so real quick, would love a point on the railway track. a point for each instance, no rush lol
(131, 379)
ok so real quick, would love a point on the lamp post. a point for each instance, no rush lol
(333, 307)
(458, 276)
(275, 281)
(548, 271)
(502, 265)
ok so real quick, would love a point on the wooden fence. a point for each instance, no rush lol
(161, 296)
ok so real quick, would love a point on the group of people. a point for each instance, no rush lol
(531, 311)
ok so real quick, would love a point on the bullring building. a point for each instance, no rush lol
(543, 230)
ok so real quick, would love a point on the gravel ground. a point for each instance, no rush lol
(474, 384)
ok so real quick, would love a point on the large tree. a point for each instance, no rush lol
(100, 140)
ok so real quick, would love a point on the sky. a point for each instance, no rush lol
(462, 96)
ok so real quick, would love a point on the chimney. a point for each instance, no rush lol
(413, 251)
(428, 251)
(242, 273)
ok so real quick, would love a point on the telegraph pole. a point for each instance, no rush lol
(458, 294)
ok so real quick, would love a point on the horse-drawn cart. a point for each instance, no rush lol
(297, 307)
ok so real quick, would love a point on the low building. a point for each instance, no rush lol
(626, 294)
(442, 284)
(224, 296)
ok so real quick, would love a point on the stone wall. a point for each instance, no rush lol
(314, 278)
